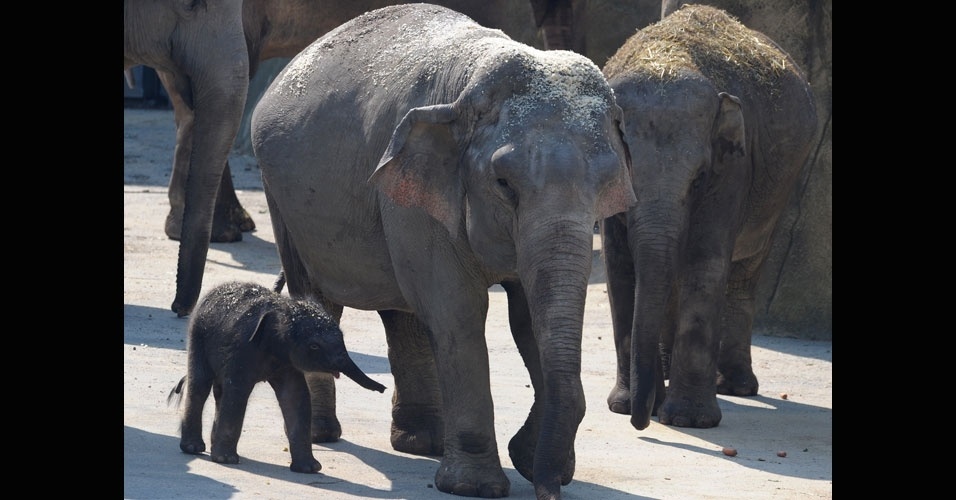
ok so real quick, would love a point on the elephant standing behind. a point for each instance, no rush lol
(721, 122)
(411, 159)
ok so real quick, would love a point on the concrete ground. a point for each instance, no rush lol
(614, 460)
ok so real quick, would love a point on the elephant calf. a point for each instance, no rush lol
(241, 334)
(721, 122)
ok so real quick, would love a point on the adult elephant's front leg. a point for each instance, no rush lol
(470, 465)
(417, 423)
(691, 399)
(735, 375)
(523, 445)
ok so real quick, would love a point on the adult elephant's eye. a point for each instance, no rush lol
(506, 192)
(314, 347)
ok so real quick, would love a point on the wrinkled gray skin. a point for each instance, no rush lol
(204, 52)
(411, 159)
(206, 72)
(714, 166)
(242, 334)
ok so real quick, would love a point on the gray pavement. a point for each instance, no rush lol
(614, 460)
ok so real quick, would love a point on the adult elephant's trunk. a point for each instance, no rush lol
(655, 232)
(216, 93)
(554, 264)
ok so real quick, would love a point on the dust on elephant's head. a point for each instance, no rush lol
(503, 128)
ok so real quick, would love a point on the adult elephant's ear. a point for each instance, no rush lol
(618, 196)
(420, 165)
(729, 130)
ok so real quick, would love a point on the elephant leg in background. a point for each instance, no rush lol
(522, 446)
(556, 20)
(229, 218)
(326, 427)
(417, 419)
(735, 375)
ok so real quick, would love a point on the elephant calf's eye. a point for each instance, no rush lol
(502, 183)
(314, 347)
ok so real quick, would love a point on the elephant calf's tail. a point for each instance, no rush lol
(280, 282)
(177, 392)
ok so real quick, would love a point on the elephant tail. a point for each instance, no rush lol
(280, 282)
(177, 392)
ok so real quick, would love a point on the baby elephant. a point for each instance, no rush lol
(241, 334)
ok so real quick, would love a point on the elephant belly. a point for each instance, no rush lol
(346, 259)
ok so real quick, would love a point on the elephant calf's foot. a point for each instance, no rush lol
(472, 477)
(521, 449)
(310, 466)
(686, 411)
(737, 383)
(418, 435)
(326, 429)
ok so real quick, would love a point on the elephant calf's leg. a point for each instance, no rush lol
(198, 385)
(293, 395)
(227, 425)
(417, 424)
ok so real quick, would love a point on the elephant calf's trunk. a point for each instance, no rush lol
(353, 372)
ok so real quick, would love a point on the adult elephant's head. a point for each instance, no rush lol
(518, 167)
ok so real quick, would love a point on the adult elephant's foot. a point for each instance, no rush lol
(619, 400)
(737, 382)
(228, 224)
(472, 475)
(698, 411)
(416, 430)
(309, 466)
(224, 457)
(521, 449)
(326, 429)
(192, 446)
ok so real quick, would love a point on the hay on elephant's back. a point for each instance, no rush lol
(702, 38)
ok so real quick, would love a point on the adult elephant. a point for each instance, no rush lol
(194, 47)
(724, 121)
(411, 159)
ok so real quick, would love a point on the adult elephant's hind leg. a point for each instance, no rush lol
(229, 218)
(417, 423)
(325, 425)
(523, 445)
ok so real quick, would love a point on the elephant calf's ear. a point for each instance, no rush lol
(261, 325)
(729, 127)
(420, 166)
